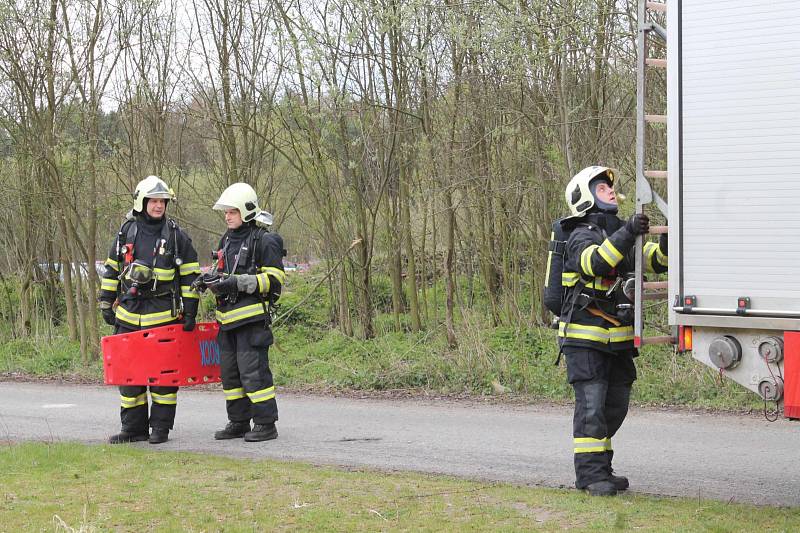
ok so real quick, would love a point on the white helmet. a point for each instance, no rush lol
(150, 187)
(578, 193)
(241, 196)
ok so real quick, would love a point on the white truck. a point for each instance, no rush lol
(733, 182)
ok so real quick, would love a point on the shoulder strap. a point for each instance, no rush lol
(133, 229)
(170, 229)
(250, 251)
(125, 236)
(268, 306)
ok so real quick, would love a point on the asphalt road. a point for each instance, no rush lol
(724, 457)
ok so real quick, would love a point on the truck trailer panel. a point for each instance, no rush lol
(733, 97)
(734, 155)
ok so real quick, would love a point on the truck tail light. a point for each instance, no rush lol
(684, 338)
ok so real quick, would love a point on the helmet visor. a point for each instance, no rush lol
(159, 189)
(164, 195)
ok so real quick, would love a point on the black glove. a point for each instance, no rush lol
(108, 316)
(638, 224)
(227, 286)
(663, 242)
(188, 323)
(202, 282)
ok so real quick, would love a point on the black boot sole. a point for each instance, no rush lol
(127, 440)
(261, 437)
(227, 436)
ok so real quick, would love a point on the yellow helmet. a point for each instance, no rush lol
(150, 187)
(578, 193)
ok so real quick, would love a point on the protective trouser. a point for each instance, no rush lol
(602, 382)
(246, 377)
(133, 398)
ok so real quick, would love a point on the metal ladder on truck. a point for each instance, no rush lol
(647, 290)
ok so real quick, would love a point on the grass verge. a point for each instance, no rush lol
(73, 487)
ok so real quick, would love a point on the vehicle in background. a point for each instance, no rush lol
(44, 270)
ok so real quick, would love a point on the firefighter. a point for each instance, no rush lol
(148, 274)
(596, 323)
(249, 275)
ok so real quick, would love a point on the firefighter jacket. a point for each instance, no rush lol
(251, 250)
(163, 246)
(599, 251)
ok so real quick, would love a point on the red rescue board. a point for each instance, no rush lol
(165, 356)
(791, 374)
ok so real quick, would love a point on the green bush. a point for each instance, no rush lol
(55, 356)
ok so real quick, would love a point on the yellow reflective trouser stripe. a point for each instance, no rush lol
(263, 282)
(610, 253)
(276, 273)
(595, 333)
(109, 284)
(164, 274)
(586, 259)
(590, 445)
(262, 395)
(189, 268)
(111, 263)
(233, 394)
(150, 319)
(165, 399)
(128, 402)
(187, 292)
(241, 313)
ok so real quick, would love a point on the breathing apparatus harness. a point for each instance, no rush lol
(614, 304)
(137, 276)
(220, 272)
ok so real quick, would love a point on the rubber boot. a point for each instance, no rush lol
(261, 432)
(159, 435)
(234, 430)
(127, 436)
(601, 488)
(619, 482)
